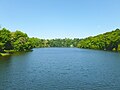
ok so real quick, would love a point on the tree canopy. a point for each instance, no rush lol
(108, 41)
(19, 41)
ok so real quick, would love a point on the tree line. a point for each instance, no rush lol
(109, 41)
(19, 41)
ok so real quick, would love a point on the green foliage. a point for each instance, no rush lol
(19, 41)
(5, 40)
(53, 42)
(63, 42)
(107, 41)
(35, 42)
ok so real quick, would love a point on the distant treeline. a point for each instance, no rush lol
(36, 42)
(19, 41)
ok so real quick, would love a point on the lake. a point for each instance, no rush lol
(61, 69)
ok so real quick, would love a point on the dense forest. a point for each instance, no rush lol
(11, 42)
(19, 41)
(109, 41)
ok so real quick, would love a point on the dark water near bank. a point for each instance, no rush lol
(61, 69)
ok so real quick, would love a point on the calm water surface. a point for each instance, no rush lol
(61, 69)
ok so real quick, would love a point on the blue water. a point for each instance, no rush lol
(61, 69)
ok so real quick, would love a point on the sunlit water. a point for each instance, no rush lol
(61, 69)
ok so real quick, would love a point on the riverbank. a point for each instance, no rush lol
(11, 52)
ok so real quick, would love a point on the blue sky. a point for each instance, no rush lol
(60, 18)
